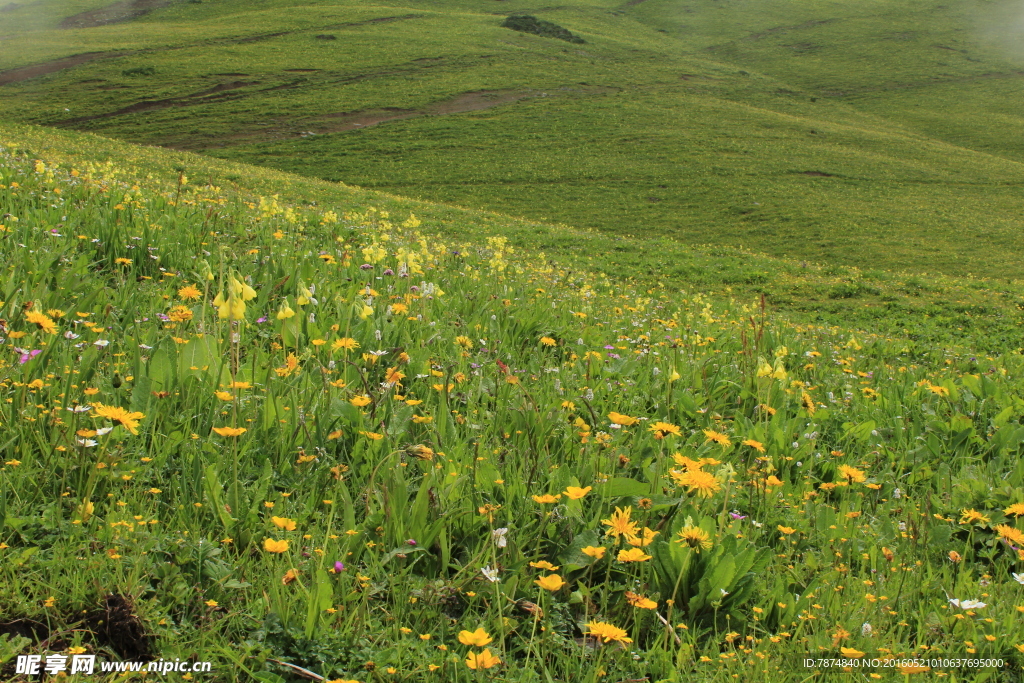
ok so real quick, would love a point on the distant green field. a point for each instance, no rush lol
(874, 135)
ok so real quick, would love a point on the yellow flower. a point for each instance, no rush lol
(544, 564)
(1009, 534)
(189, 293)
(717, 437)
(786, 529)
(224, 396)
(373, 436)
(852, 473)
(548, 341)
(360, 401)
(663, 429)
(230, 431)
(477, 638)
(552, 582)
(646, 540)
(597, 552)
(756, 445)
(703, 483)
(971, 516)
(120, 415)
(695, 537)
(547, 498)
(575, 493)
(1015, 509)
(624, 420)
(619, 523)
(632, 555)
(606, 632)
(272, 546)
(640, 601)
(283, 523)
(44, 322)
(346, 343)
(285, 311)
(211, 603)
(482, 660)
(851, 652)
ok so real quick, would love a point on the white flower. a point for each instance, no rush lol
(104, 430)
(1019, 578)
(499, 537)
(490, 574)
(865, 629)
(88, 443)
(80, 409)
(100, 342)
(967, 604)
(71, 335)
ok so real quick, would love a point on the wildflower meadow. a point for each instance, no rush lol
(306, 440)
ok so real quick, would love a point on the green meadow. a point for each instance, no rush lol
(366, 343)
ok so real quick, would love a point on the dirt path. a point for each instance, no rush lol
(126, 10)
(207, 95)
(35, 70)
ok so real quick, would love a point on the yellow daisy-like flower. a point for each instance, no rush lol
(606, 632)
(117, 414)
(544, 564)
(360, 401)
(596, 552)
(346, 343)
(852, 473)
(786, 529)
(663, 429)
(643, 541)
(619, 524)
(1009, 534)
(698, 481)
(717, 437)
(1016, 509)
(43, 321)
(971, 516)
(548, 341)
(624, 420)
(189, 293)
(756, 445)
(695, 537)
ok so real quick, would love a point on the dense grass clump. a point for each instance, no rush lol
(526, 23)
(273, 429)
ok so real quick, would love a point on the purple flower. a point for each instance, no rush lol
(366, 266)
(411, 541)
(609, 346)
(339, 567)
(388, 271)
(615, 356)
(261, 320)
(414, 288)
(736, 515)
(27, 355)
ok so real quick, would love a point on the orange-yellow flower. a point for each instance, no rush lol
(482, 660)
(575, 492)
(477, 638)
(230, 431)
(624, 420)
(633, 555)
(272, 546)
(120, 415)
(552, 582)
(283, 523)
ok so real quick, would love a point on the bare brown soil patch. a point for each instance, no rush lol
(126, 10)
(35, 70)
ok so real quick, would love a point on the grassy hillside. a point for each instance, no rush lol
(833, 133)
(269, 422)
